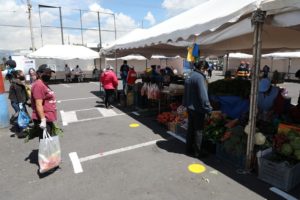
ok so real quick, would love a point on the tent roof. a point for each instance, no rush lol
(64, 52)
(139, 57)
(226, 21)
(283, 55)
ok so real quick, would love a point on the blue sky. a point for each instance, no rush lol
(129, 14)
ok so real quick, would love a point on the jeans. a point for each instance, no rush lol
(124, 83)
(195, 132)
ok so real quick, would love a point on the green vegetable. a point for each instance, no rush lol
(33, 132)
(296, 143)
(286, 149)
(297, 154)
(292, 135)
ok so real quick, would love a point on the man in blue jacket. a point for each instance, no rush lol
(197, 103)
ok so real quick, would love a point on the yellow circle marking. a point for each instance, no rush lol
(196, 168)
(134, 125)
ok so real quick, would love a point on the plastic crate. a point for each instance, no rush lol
(237, 161)
(281, 175)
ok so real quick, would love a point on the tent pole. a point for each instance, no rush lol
(258, 18)
(289, 68)
(227, 62)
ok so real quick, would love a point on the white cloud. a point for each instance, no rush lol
(150, 18)
(174, 7)
(19, 37)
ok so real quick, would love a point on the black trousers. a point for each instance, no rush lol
(109, 97)
(40, 131)
(195, 130)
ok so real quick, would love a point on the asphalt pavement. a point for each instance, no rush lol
(115, 160)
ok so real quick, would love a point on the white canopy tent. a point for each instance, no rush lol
(64, 52)
(228, 28)
(249, 26)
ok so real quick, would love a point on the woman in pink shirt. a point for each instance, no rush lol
(43, 101)
(109, 82)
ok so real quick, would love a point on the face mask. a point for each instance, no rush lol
(22, 78)
(46, 78)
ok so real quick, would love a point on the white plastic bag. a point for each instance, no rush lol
(49, 152)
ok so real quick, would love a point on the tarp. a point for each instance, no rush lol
(233, 106)
(225, 28)
(64, 52)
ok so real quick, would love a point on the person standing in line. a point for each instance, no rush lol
(210, 69)
(18, 97)
(196, 101)
(131, 78)
(43, 102)
(68, 73)
(109, 82)
(32, 75)
(95, 73)
(266, 70)
(123, 73)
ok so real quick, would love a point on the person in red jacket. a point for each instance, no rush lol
(131, 78)
(109, 82)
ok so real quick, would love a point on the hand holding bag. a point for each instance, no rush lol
(49, 152)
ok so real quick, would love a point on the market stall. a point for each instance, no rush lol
(246, 26)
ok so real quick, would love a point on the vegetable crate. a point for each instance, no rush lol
(173, 127)
(230, 158)
(281, 175)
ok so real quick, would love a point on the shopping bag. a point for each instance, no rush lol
(23, 118)
(49, 152)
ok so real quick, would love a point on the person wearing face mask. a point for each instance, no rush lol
(43, 101)
(18, 97)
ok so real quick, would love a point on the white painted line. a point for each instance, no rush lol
(136, 113)
(84, 109)
(68, 117)
(283, 194)
(107, 112)
(96, 83)
(99, 155)
(75, 162)
(62, 114)
(94, 118)
(65, 85)
(177, 136)
(59, 101)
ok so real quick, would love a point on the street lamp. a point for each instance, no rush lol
(60, 17)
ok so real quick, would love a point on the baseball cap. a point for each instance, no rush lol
(264, 85)
(44, 68)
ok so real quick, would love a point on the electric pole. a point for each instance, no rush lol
(30, 24)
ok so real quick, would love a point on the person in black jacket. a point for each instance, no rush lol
(196, 101)
(17, 93)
